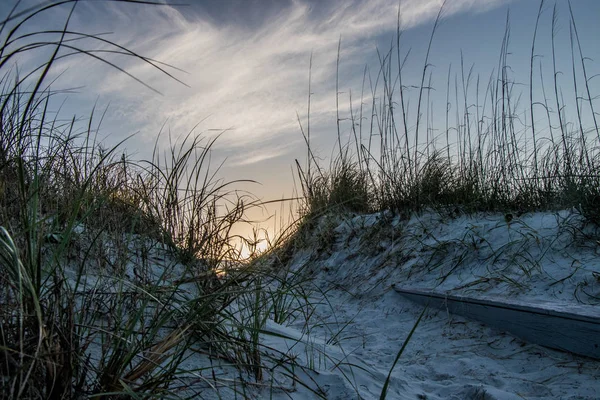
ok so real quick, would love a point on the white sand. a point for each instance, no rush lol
(344, 344)
(448, 357)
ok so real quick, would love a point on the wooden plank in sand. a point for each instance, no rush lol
(572, 328)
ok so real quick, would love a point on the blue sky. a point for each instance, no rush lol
(246, 66)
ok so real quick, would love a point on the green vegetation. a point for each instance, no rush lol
(108, 266)
(497, 156)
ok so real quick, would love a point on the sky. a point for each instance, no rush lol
(241, 68)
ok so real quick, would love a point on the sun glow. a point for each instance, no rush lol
(253, 249)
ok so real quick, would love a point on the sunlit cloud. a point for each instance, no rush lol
(249, 80)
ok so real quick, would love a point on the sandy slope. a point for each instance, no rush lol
(342, 343)
(359, 323)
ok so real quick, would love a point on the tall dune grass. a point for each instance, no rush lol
(493, 158)
(108, 282)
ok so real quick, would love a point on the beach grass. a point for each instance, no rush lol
(496, 153)
(110, 266)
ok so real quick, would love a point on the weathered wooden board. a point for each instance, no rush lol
(572, 328)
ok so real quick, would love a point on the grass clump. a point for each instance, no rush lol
(343, 186)
(490, 159)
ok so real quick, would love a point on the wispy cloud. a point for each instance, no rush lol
(249, 79)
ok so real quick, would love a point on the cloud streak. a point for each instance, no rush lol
(251, 80)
